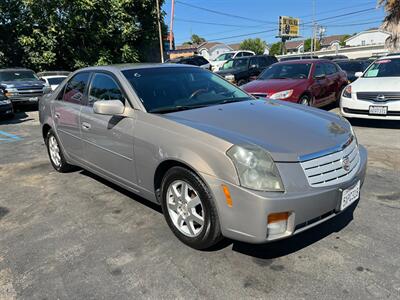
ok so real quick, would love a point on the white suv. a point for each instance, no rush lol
(376, 93)
(217, 63)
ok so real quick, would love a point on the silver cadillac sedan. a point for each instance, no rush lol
(220, 162)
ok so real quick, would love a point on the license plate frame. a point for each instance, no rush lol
(378, 110)
(350, 195)
(33, 99)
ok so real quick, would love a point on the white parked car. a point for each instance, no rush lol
(53, 80)
(376, 93)
(224, 57)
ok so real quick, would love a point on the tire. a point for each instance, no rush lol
(53, 148)
(241, 82)
(305, 100)
(178, 210)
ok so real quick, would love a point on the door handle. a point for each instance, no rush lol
(57, 115)
(86, 126)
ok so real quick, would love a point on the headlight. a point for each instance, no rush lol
(256, 169)
(229, 77)
(347, 92)
(282, 95)
(10, 92)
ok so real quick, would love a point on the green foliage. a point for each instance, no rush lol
(276, 49)
(257, 45)
(343, 40)
(307, 45)
(195, 39)
(69, 34)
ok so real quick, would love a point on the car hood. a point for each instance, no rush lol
(377, 84)
(22, 84)
(230, 71)
(270, 86)
(288, 131)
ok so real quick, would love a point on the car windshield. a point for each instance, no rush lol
(224, 56)
(351, 66)
(18, 76)
(286, 71)
(169, 89)
(384, 68)
(55, 80)
(240, 63)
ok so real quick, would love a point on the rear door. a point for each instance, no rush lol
(66, 114)
(108, 140)
(319, 87)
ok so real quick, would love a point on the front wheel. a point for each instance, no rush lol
(305, 100)
(189, 209)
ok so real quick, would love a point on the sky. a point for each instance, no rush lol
(256, 16)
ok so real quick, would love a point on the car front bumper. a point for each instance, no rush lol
(352, 108)
(6, 109)
(246, 219)
(23, 100)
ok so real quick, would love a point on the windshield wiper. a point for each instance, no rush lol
(175, 108)
(231, 100)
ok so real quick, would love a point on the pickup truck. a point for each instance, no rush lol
(22, 86)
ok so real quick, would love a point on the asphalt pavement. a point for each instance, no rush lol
(77, 236)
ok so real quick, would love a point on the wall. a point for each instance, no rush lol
(369, 38)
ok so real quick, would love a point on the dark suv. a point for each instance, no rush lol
(195, 60)
(244, 69)
(22, 86)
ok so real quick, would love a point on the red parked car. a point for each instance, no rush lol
(314, 82)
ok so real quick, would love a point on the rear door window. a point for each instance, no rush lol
(319, 70)
(104, 87)
(330, 69)
(75, 88)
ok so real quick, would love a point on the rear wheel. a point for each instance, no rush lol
(189, 209)
(56, 156)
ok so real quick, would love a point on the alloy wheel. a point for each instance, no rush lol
(185, 208)
(54, 150)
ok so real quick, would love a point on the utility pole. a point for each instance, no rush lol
(313, 29)
(171, 25)
(159, 32)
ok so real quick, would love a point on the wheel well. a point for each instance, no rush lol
(306, 93)
(162, 170)
(45, 130)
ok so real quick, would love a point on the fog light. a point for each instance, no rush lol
(277, 223)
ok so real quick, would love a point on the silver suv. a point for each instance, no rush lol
(218, 161)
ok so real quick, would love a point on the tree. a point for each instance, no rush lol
(257, 45)
(276, 49)
(391, 22)
(343, 40)
(68, 34)
(307, 45)
(195, 39)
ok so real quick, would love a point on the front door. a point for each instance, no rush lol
(66, 111)
(320, 85)
(108, 140)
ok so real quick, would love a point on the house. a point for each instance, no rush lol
(373, 36)
(210, 50)
(331, 42)
(294, 47)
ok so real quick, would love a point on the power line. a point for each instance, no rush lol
(211, 23)
(224, 14)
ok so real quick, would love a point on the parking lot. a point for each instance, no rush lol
(76, 236)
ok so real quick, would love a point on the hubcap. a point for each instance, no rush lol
(185, 208)
(305, 101)
(54, 151)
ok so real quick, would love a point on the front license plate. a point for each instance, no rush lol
(378, 110)
(33, 99)
(350, 195)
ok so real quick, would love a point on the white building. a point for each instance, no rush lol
(211, 50)
(368, 38)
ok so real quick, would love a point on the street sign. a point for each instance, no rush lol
(289, 27)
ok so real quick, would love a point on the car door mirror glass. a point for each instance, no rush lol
(109, 107)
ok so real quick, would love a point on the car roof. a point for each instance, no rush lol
(305, 61)
(389, 57)
(124, 67)
(15, 69)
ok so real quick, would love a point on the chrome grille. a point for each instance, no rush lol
(379, 96)
(333, 168)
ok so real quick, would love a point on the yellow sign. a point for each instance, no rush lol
(289, 27)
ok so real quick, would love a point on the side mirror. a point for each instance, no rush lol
(319, 77)
(252, 67)
(358, 74)
(109, 107)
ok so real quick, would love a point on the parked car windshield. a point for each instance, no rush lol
(384, 68)
(170, 89)
(18, 76)
(224, 56)
(286, 71)
(240, 63)
(351, 66)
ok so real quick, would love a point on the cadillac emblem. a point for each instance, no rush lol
(346, 163)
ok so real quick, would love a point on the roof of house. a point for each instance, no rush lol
(209, 45)
(234, 47)
(187, 47)
(293, 44)
(328, 40)
(367, 31)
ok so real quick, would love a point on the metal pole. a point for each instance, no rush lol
(159, 31)
(313, 30)
(171, 25)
